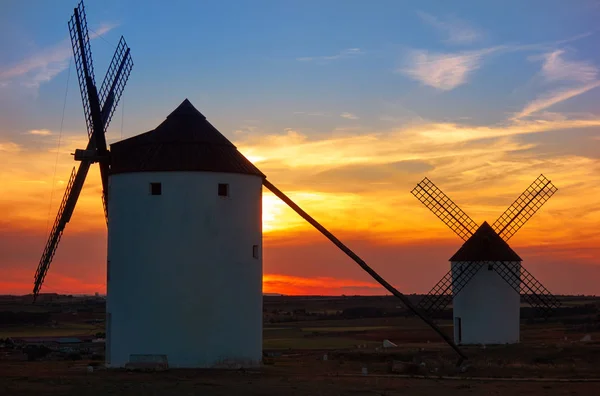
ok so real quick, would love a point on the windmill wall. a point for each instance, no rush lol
(488, 307)
(184, 269)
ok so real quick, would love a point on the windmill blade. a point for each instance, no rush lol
(104, 169)
(441, 295)
(114, 81)
(278, 193)
(65, 211)
(524, 207)
(535, 293)
(444, 208)
(80, 41)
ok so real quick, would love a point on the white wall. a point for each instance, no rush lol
(182, 279)
(489, 308)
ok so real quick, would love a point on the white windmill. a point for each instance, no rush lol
(485, 272)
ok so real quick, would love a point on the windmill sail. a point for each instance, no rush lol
(65, 211)
(525, 206)
(444, 208)
(114, 81)
(532, 291)
(80, 42)
(96, 122)
(441, 295)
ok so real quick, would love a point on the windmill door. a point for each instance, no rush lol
(458, 326)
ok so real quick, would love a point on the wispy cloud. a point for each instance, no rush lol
(349, 116)
(450, 133)
(551, 98)
(341, 175)
(347, 53)
(454, 29)
(557, 68)
(44, 65)
(448, 70)
(297, 150)
(10, 147)
(424, 141)
(575, 78)
(40, 132)
(444, 71)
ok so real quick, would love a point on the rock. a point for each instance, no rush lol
(586, 338)
(388, 344)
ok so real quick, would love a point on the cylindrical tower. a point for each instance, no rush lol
(486, 308)
(184, 276)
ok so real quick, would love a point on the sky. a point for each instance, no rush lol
(345, 106)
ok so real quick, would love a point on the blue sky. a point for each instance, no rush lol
(267, 60)
(344, 104)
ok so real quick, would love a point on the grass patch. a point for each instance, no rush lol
(69, 329)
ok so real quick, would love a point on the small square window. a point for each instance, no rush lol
(223, 190)
(155, 188)
(255, 251)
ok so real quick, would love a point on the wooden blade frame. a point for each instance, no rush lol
(65, 211)
(114, 81)
(533, 292)
(80, 42)
(445, 209)
(524, 207)
(97, 119)
(441, 295)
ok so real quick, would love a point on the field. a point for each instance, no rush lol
(320, 346)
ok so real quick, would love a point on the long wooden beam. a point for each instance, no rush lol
(363, 265)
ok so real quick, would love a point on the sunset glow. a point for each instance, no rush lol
(345, 127)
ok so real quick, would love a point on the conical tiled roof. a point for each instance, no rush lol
(485, 245)
(185, 141)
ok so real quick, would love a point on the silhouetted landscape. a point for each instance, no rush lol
(61, 336)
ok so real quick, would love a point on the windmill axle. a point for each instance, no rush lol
(89, 155)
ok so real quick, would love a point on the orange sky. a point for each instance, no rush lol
(348, 184)
(345, 127)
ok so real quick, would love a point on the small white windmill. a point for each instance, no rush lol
(485, 272)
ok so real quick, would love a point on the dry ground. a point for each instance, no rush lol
(63, 378)
(294, 364)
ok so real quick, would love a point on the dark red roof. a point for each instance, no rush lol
(185, 141)
(485, 245)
